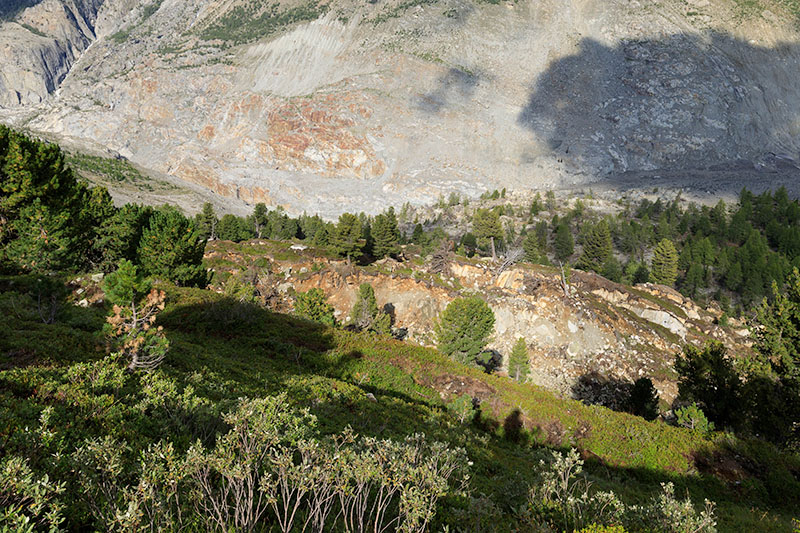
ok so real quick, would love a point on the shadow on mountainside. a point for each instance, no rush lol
(10, 8)
(455, 84)
(708, 102)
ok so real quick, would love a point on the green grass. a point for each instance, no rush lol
(224, 349)
(251, 22)
(113, 172)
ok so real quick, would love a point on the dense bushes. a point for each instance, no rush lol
(565, 501)
(270, 469)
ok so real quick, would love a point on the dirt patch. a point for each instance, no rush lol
(452, 386)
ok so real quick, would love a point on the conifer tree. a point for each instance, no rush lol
(518, 362)
(385, 235)
(777, 339)
(260, 220)
(643, 399)
(563, 242)
(487, 229)
(463, 329)
(131, 323)
(531, 247)
(45, 239)
(171, 248)
(664, 267)
(207, 222)
(346, 238)
(418, 235)
(313, 305)
(119, 235)
(707, 376)
(596, 248)
(366, 316)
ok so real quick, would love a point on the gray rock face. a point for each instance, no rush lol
(38, 48)
(381, 103)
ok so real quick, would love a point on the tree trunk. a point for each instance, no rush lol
(494, 254)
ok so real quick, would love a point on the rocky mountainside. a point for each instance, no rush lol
(587, 342)
(333, 106)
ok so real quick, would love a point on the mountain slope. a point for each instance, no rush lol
(343, 106)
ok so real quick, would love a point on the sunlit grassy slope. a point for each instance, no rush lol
(224, 349)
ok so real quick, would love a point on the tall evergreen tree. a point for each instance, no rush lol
(366, 315)
(707, 376)
(418, 235)
(464, 328)
(45, 240)
(346, 238)
(597, 248)
(48, 219)
(487, 229)
(260, 220)
(530, 245)
(664, 267)
(385, 235)
(207, 222)
(119, 235)
(777, 337)
(563, 243)
(643, 399)
(518, 362)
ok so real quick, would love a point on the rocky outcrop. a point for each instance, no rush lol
(602, 332)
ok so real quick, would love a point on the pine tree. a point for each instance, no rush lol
(531, 247)
(463, 329)
(366, 316)
(664, 266)
(518, 362)
(596, 248)
(207, 222)
(385, 235)
(45, 240)
(695, 279)
(777, 337)
(131, 323)
(487, 229)
(733, 277)
(260, 220)
(707, 376)
(563, 242)
(418, 235)
(45, 208)
(119, 235)
(171, 248)
(346, 238)
(643, 399)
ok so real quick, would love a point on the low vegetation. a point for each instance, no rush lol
(157, 404)
(253, 20)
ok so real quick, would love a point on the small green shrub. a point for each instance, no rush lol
(462, 408)
(313, 305)
(692, 417)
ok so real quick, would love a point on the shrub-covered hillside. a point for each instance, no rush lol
(109, 448)
(137, 400)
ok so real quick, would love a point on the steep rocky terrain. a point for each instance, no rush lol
(332, 106)
(581, 342)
